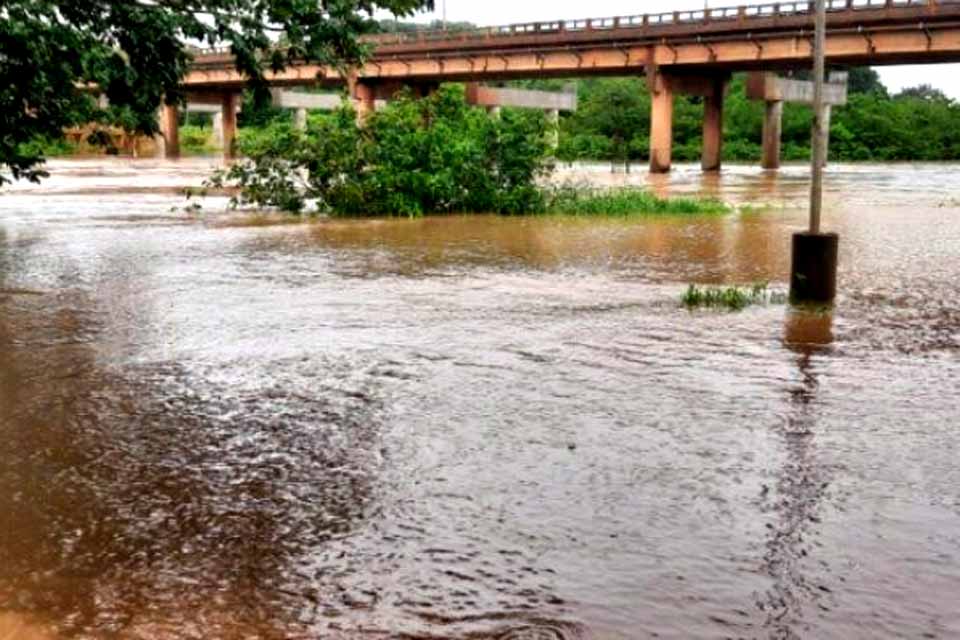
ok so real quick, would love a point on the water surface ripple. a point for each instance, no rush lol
(229, 426)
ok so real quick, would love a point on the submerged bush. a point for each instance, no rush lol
(733, 298)
(435, 155)
(624, 202)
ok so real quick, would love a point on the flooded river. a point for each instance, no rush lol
(229, 426)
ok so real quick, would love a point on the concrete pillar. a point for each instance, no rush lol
(228, 115)
(218, 128)
(772, 123)
(712, 154)
(170, 129)
(300, 119)
(553, 129)
(661, 124)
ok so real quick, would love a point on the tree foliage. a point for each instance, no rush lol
(435, 155)
(53, 52)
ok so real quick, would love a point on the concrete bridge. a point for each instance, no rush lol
(691, 52)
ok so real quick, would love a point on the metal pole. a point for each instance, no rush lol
(819, 135)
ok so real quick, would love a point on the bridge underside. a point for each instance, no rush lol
(678, 53)
(793, 51)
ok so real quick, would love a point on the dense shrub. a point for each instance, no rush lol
(435, 155)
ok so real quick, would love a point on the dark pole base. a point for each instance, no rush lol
(813, 270)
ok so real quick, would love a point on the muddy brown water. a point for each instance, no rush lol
(229, 426)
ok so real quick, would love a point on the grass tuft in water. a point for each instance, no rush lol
(625, 202)
(733, 298)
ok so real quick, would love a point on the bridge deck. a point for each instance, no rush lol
(888, 32)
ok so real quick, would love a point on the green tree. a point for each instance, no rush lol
(923, 92)
(434, 155)
(865, 80)
(53, 52)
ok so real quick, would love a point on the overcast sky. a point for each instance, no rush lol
(494, 12)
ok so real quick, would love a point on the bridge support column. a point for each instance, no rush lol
(661, 123)
(228, 116)
(218, 128)
(364, 99)
(170, 130)
(712, 155)
(553, 130)
(772, 124)
(300, 119)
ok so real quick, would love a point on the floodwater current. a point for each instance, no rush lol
(231, 426)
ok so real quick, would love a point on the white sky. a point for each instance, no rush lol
(495, 12)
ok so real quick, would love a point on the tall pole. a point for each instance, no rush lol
(819, 135)
(444, 15)
(813, 269)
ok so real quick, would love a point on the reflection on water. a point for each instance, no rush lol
(799, 578)
(230, 426)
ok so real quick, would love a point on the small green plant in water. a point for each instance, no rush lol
(625, 202)
(733, 298)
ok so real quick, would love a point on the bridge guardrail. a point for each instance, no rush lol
(641, 21)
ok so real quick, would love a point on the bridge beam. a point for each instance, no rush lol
(547, 101)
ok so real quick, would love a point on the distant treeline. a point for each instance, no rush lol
(613, 123)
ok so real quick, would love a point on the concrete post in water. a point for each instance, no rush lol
(170, 130)
(553, 129)
(228, 117)
(712, 155)
(813, 266)
(772, 125)
(661, 122)
(300, 119)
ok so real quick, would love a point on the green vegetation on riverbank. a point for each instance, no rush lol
(613, 123)
(53, 51)
(435, 155)
(197, 140)
(421, 156)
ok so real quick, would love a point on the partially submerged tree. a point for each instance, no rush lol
(53, 53)
(414, 157)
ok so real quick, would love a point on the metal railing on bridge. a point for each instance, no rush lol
(646, 24)
(693, 17)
